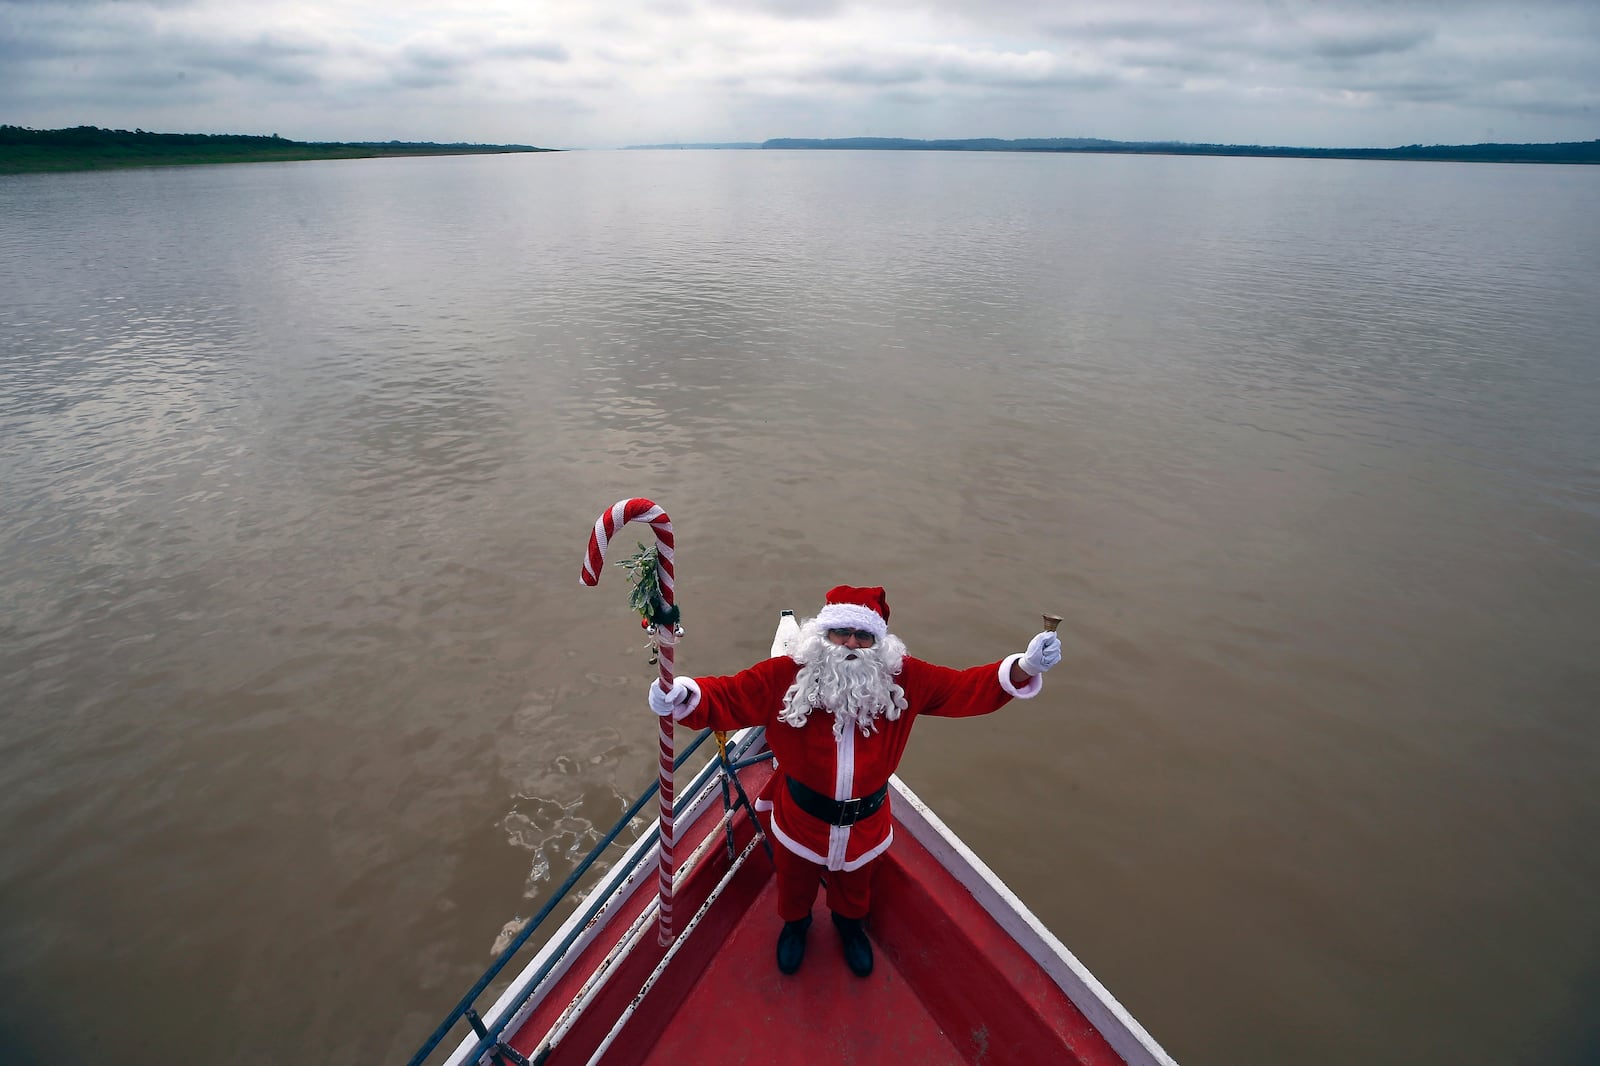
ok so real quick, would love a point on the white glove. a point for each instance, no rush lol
(1044, 651)
(669, 704)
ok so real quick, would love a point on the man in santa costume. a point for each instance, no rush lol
(838, 714)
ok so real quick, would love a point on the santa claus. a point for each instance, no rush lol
(838, 714)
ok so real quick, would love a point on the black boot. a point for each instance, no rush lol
(857, 949)
(792, 944)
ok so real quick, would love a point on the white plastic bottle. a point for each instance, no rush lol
(783, 640)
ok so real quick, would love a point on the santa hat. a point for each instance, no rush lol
(856, 608)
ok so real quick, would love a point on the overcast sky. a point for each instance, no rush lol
(608, 73)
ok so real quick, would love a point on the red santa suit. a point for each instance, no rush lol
(852, 765)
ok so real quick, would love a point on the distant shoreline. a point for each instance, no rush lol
(25, 151)
(1578, 152)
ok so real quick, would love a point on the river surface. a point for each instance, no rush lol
(302, 704)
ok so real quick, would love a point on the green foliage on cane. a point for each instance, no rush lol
(644, 577)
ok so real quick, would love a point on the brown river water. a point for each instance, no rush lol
(302, 704)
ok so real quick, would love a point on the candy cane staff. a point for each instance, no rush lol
(661, 616)
(838, 713)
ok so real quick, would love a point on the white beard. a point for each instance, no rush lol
(855, 685)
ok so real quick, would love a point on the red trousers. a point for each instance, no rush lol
(849, 891)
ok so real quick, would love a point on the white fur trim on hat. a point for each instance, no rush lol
(853, 616)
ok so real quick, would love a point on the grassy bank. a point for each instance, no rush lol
(25, 151)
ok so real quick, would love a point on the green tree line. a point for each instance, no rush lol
(91, 148)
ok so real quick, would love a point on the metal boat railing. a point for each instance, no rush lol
(489, 1034)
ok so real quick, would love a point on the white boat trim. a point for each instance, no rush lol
(1122, 1031)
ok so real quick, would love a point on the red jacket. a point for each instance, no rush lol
(853, 765)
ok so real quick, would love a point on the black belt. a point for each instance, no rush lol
(832, 811)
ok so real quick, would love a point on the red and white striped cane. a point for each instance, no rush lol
(621, 513)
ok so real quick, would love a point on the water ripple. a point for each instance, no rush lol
(298, 461)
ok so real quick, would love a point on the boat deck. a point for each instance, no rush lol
(949, 984)
(742, 1010)
(773, 1018)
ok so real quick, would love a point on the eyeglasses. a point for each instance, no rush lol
(864, 637)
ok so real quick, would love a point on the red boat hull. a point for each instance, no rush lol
(963, 974)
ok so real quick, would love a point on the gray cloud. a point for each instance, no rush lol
(266, 59)
(1363, 44)
(465, 53)
(992, 78)
(548, 51)
(25, 5)
(869, 73)
(1284, 71)
(1182, 27)
(787, 9)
